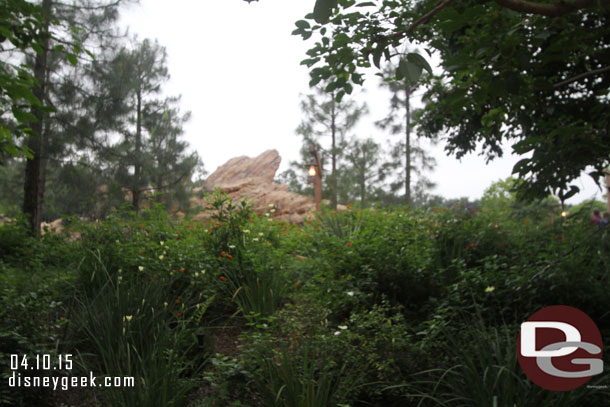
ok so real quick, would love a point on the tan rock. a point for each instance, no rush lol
(252, 179)
(239, 171)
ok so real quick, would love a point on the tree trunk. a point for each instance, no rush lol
(363, 180)
(408, 145)
(333, 154)
(137, 173)
(608, 190)
(33, 187)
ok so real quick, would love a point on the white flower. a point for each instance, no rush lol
(343, 327)
(165, 304)
(202, 272)
(269, 220)
(255, 239)
(271, 205)
(267, 214)
(117, 241)
(161, 257)
(141, 268)
(337, 333)
(350, 293)
(161, 243)
(261, 234)
(246, 230)
(127, 318)
(490, 289)
(196, 274)
(231, 246)
(272, 210)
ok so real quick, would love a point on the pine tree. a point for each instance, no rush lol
(324, 116)
(148, 157)
(76, 25)
(407, 154)
(365, 168)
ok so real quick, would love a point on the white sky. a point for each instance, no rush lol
(237, 68)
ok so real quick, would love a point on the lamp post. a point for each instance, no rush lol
(315, 176)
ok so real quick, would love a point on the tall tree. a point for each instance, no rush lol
(172, 166)
(149, 155)
(75, 25)
(533, 74)
(366, 168)
(34, 170)
(327, 117)
(398, 121)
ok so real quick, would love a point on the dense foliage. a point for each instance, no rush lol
(528, 74)
(362, 307)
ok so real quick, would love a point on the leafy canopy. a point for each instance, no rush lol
(533, 75)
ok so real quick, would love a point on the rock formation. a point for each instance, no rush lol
(252, 178)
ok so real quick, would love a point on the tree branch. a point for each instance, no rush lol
(428, 16)
(581, 76)
(549, 9)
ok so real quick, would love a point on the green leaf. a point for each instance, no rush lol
(72, 59)
(323, 10)
(23, 117)
(411, 71)
(377, 57)
(419, 60)
(302, 24)
(341, 39)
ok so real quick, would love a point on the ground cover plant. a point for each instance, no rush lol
(393, 307)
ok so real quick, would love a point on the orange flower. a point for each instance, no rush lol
(181, 270)
(349, 243)
(148, 235)
(436, 210)
(229, 256)
(179, 314)
(223, 253)
(223, 278)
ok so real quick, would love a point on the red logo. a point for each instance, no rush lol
(560, 348)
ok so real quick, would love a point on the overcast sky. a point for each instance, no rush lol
(236, 66)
